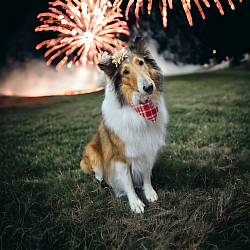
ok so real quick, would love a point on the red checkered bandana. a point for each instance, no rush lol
(148, 110)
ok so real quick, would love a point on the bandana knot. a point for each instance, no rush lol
(148, 110)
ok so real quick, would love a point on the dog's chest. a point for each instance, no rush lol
(143, 142)
(141, 137)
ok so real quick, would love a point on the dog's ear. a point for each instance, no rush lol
(139, 46)
(107, 66)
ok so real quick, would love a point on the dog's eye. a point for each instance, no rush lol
(125, 72)
(141, 63)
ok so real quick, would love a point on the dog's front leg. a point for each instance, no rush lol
(149, 192)
(124, 180)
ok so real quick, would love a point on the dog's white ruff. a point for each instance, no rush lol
(142, 138)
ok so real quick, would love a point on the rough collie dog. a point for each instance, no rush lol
(133, 125)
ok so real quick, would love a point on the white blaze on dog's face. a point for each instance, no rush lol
(136, 83)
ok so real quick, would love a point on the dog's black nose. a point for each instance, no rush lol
(148, 87)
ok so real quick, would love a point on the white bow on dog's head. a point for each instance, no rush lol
(119, 56)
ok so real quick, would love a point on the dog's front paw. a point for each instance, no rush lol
(98, 174)
(151, 195)
(136, 205)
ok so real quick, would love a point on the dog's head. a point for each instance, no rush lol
(134, 73)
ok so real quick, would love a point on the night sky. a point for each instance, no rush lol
(228, 34)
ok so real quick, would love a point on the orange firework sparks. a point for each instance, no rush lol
(231, 4)
(163, 7)
(87, 29)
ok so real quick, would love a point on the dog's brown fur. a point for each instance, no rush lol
(105, 155)
(104, 147)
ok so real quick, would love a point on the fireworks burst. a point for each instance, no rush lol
(163, 7)
(87, 29)
(90, 27)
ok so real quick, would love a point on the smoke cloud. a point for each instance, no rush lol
(35, 78)
(169, 67)
(173, 49)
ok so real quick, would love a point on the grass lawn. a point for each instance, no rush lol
(202, 177)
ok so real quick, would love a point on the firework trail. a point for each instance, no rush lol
(163, 4)
(90, 27)
(87, 29)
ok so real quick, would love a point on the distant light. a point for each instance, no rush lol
(71, 17)
(227, 57)
(240, 1)
(214, 51)
(61, 17)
